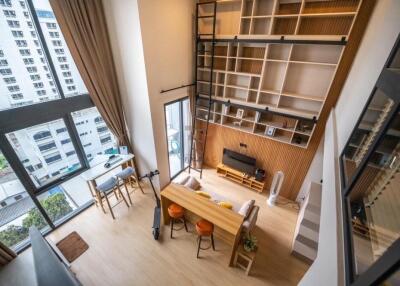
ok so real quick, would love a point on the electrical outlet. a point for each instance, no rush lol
(243, 145)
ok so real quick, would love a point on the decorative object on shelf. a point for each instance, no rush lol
(250, 243)
(297, 139)
(275, 188)
(270, 131)
(284, 124)
(260, 175)
(239, 113)
(225, 109)
(238, 123)
(257, 118)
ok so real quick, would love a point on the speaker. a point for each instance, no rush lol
(260, 175)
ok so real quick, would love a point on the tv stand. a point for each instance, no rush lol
(240, 178)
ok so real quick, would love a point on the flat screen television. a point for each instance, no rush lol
(239, 162)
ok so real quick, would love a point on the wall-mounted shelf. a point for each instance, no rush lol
(278, 56)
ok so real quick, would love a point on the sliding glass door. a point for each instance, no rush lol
(178, 126)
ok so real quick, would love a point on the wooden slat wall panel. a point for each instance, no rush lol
(331, 6)
(325, 26)
(274, 156)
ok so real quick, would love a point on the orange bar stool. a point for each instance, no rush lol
(204, 228)
(177, 214)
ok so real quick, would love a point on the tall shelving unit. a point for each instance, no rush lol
(274, 61)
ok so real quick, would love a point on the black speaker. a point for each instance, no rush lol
(260, 175)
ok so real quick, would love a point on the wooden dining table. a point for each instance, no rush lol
(227, 223)
(99, 169)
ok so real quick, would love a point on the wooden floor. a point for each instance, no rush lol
(123, 252)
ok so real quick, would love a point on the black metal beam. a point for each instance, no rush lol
(282, 40)
(179, 87)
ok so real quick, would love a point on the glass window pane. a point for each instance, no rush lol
(94, 134)
(173, 119)
(70, 79)
(46, 151)
(365, 133)
(17, 210)
(375, 201)
(25, 76)
(187, 130)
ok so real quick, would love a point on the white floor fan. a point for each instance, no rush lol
(275, 188)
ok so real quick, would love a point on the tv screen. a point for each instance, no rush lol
(239, 162)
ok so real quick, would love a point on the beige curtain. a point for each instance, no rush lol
(83, 25)
(6, 254)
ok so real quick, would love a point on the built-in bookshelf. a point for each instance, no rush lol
(331, 19)
(273, 59)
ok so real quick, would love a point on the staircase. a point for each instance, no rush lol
(199, 131)
(372, 135)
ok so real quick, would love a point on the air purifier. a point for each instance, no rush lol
(275, 188)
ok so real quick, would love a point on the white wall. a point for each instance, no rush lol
(314, 173)
(327, 265)
(379, 38)
(126, 40)
(167, 31)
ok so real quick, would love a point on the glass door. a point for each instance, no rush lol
(178, 127)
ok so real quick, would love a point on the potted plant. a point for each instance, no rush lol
(249, 243)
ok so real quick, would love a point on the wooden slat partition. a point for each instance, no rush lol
(274, 156)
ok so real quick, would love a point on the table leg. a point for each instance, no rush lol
(132, 163)
(164, 208)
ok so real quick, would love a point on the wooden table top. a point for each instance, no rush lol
(222, 217)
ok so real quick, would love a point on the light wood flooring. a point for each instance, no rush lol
(123, 252)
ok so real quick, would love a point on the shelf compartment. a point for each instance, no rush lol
(339, 6)
(263, 8)
(279, 52)
(284, 25)
(249, 66)
(238, 81)
(217, 118)
(339, 25)
(274, 74)
(260, 26)
(204, 76)
(300, 140)
(220, 63)
(278, 121)
(228, 16)
(256, 52)
(255, 83)
(233, 50)
(300, 107)
(218, 107)
(201, 114)
(247, 7)
(252, 96)
(280, 135)
(245, 26)
(231, 65)
(308, 80)
(325, 54)
(220, 50)
(268, 99)
(304, 127)
(238, 124)
(204, 88)
(285, 7)
(235, 93)
(221, 78)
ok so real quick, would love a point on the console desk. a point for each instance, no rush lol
(227, 223)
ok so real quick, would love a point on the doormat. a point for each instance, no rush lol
(72, 246)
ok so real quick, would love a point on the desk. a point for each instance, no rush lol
(99, 170)
(228, 224)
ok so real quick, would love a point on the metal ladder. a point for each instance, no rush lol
(199, 133)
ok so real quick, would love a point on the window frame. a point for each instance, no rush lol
(389, 262)
(17, 118)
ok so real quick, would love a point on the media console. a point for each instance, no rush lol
(240, 178)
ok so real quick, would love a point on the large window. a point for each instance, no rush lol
(50, 130)
(370, 165)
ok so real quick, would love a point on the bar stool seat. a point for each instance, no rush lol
(177, 213)
(204, 228)
(111, 187)
(127, 175)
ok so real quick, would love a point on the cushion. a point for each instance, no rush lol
(192, 183)
(183, 181)
(203, 194)
(227, 205)
(246, 208)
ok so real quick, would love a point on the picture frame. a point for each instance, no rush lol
(270, 131)
(240, 113)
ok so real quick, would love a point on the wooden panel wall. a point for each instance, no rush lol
(274, 156)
